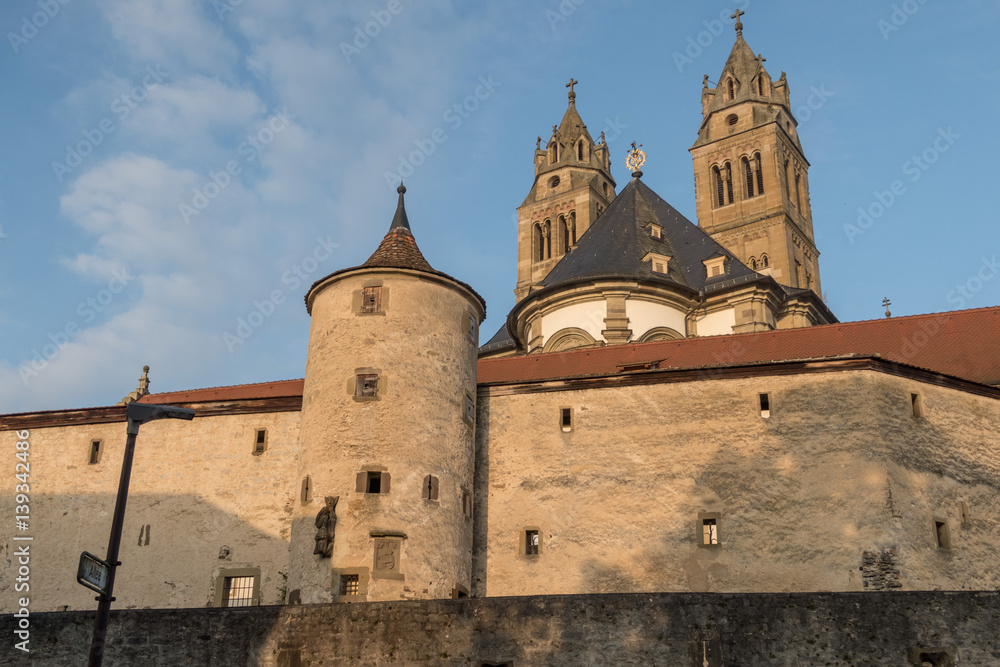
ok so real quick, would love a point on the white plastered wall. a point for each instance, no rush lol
(646, 315)
(719, 323)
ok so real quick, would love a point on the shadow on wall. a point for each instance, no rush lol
(177, 551)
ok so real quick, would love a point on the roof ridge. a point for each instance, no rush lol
(225, 386)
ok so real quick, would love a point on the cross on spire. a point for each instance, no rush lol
(572, 92)
(739, 23)
(887, 303)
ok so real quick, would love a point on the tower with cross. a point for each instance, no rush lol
(751, 174)
(572, 187)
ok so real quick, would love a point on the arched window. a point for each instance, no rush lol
(572, 226)
(798, 192)
(732, 90)
(752, 263)
(563, 235)
(538, 248)
(547, 240)
(729, 183)
(788, 182)
(764, 262)
(760, 84)
(760, 174)
(749, 177)
(720, 198)
(553, 153)
(579, 151)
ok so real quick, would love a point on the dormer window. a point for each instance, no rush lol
(715, 266)
(655, 230)
(657, 263)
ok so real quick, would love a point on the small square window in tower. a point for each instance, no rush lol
(566, 419)
(349, 584)
(765, 406)
(531, 543)
(371, 300)
(917, 404)
(470, 410)
(472, 327)
(942, 535)
(709, 532)
(367, 386)
(374, 483)
(260, 442)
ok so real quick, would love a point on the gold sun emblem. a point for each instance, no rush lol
(636, 158)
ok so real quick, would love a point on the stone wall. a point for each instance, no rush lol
(840, 467)
(200, 502)
(639, 629)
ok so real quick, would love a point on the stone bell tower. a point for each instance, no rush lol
(384, 510)
(573, 185)
(751, 176)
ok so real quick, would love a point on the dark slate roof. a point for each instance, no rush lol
(616, 243)
(501, 341)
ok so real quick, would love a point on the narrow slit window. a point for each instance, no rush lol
(566, 419)
(96, 449)
(470, 409)
(374, 483)
(760, 174)
(917, 404)
(941, 533)
(466, 504)
(531, 543)
(709, 532)
(765, 406)
(430, 488)
(367, 385)
(729, 183)
(260, 442)
(371, 300)
(349, 584)
(306, 489)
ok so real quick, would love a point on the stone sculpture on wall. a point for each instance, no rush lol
(326, 526)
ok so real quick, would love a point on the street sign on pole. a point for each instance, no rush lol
(93, 573)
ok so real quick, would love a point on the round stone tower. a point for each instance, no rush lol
(384, 510)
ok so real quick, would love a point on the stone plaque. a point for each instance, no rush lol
(387, 552)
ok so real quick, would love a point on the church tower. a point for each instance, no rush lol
(751, 176)
(573, 185)
(384, 510)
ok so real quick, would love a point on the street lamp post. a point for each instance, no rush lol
(138, 414)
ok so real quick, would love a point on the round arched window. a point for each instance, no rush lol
(554, 182)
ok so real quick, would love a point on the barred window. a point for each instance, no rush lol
(367, 385)
(237, 592)
(531, 543)
(371, 299)
(710, 531)
(349, 584)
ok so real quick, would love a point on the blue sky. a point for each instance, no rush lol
(172, 167)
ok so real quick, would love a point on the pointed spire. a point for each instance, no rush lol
(399, 220)
(399, 249)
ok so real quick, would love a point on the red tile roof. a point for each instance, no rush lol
(281, 389)
(964, 344)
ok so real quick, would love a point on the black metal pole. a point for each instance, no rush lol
(105, 600)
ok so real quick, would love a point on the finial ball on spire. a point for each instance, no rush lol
(401, 189)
